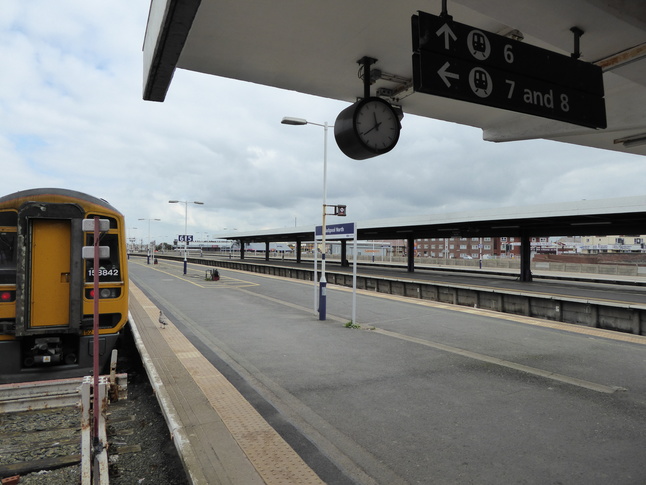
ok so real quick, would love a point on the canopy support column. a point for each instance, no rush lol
(410, 251)
(344, 253)
(525, 258)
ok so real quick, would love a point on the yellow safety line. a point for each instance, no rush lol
(538, 322)
(214, 285)
(276, 462)
(558, 296)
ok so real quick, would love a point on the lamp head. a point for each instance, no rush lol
(288, 120)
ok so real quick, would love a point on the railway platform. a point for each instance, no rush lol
(220, 437)
(422, 392)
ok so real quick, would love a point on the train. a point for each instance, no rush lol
(46, 286)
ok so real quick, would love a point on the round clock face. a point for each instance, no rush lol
(377, 125)
(367, 128)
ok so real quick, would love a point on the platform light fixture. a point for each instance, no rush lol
(288, 120)
(185, 202)
(150, 252)
(632, 141)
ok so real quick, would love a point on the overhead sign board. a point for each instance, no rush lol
(336, 231)
(468, 81)
(462, 62)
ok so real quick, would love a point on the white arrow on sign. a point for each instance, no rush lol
(448, 34)
(445, 75)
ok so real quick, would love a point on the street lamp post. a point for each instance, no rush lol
(185, 202)
(149, 248)
(322, 281)
(132, 240)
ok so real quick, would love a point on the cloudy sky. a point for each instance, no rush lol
(72, 116)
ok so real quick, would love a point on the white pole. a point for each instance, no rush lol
(185, 234)
(316, 273)
(323, 281)
(354, 278)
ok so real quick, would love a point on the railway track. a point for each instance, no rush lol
(39, 442)
(40, 432)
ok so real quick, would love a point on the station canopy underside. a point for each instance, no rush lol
(313, 48)
(620, 216)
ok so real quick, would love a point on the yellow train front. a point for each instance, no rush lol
(46, 287)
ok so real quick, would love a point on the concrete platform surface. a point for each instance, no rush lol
(220, 437)
(423, 392)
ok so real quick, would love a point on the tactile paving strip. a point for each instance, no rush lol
(276, 462)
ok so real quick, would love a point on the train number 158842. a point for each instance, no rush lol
(103, 272)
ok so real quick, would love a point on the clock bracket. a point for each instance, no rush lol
(401, 86)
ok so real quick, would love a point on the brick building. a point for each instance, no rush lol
(469, 247)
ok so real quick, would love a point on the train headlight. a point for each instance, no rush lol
(104, 293)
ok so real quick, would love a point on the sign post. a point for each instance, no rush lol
(95, 252)
(354, 277)
(342, 231)
(186, 238)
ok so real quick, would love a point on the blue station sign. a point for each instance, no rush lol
(336, 231)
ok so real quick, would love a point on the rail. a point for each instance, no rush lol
(26, 397)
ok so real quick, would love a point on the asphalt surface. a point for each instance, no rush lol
(424, 392)
(622, 289)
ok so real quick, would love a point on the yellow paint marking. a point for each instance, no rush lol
(538, 322)
(557, 296)
(223, 283)
(273, 458)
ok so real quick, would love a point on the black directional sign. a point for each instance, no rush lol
(461, 62)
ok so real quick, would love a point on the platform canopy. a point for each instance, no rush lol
(313, 47)
(624, 215)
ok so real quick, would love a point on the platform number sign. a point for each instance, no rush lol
(461, 62)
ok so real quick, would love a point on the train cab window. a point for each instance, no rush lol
(8, 257)
(8, 218)
(109, 269)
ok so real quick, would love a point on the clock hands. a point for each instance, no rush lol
(376, 127)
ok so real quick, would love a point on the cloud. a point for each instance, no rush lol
(72, 115)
